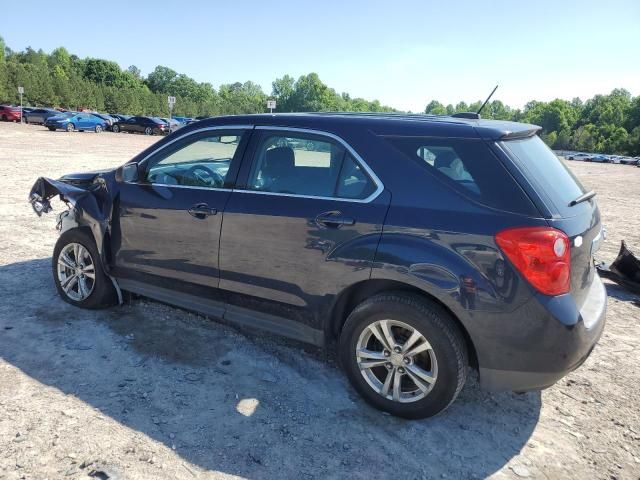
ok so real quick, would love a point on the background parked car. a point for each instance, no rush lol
(146, 125)
(174, 123)
(109, 120)
(599, 159)
(628, 160)
(119, 117)
(39, 115)
(71, 121)
(183, 120)
(578, 156)
(9, 113)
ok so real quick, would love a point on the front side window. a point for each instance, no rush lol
(203, 162)
(310, 165)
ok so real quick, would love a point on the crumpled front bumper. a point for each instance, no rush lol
(90, 201)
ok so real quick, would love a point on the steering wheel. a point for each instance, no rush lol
(206, 175)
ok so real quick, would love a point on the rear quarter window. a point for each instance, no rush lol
(469, 167)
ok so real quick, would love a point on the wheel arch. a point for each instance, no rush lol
(355, 294)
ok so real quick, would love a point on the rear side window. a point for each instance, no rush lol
(545, 171)
(309, 165)
(469, 167)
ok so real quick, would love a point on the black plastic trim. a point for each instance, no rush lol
(230, 313)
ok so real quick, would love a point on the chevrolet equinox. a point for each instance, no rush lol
(420, 245)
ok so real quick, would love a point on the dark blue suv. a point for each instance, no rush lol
(420, 245)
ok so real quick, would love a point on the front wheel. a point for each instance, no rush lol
(70, 127)
(404, 354)
(115, 128)
(98, 129)
(77, 271)
(148, 131)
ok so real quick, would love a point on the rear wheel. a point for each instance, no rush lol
(404, 354)
(70, 127)
(77, 271)
(148, 131)
(53, 129)
(4, 118)
(116, 128)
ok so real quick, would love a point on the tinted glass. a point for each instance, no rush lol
(307, 165)
(353, 181)
(545, 170)
(469, 167)
(203, 162)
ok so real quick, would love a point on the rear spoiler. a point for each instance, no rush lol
(525, 133)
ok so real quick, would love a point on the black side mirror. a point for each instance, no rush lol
(128, 173)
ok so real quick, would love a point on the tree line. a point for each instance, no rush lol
(605, 123)
(61, 79)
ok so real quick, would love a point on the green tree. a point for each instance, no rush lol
(435, 108)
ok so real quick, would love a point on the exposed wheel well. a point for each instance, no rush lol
(356, 294)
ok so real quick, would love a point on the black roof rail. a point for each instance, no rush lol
(471, 115)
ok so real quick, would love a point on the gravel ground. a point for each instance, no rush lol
(148, 391)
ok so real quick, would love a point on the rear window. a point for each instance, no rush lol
(545, 171)
(469, 167)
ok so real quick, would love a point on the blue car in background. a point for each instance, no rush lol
(71, 121)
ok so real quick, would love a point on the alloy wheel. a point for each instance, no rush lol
(397, 361)
(76, 271)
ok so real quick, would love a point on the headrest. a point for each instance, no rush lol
(280, 158)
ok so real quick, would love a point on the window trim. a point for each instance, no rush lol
(370, 173)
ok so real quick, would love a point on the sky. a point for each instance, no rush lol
(403, 53)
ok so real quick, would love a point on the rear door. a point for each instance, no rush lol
(557, 189)
(303, 224)
(169, 220)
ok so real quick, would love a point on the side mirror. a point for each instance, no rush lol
(128, 173)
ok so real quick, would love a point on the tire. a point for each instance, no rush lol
(444, 355)
(4, 118)
(70, 127)
(98, 129)
(53, 129)
(97, 293)
(148, 131)
(115, 129)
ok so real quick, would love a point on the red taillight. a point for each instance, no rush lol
(541, 255)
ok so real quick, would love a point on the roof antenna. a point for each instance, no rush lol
(487, 100)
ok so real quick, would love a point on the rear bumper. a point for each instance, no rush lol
(566, 347)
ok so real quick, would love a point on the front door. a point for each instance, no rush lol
(303, 224)
(83, 121)
(169, 221)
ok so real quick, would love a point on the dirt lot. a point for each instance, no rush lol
(147, 391)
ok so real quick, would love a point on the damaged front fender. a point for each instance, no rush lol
(90, 204)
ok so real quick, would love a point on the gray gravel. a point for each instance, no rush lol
(148, 391)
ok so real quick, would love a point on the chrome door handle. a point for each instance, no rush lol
(201, 210)
(334, 220)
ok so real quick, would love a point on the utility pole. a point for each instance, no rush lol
(21, 91)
